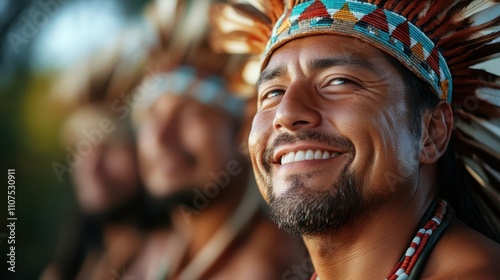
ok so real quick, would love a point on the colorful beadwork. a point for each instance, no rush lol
(404, 268)
(385, 29)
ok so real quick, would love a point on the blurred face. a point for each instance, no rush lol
(106, 178)
(181, 141)
(330, 133)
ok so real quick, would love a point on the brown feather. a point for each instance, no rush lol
(447, 17)
(402, 6)
(390, 4)
(438, 7)
(465, 34)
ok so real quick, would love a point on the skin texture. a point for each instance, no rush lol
(351, 96)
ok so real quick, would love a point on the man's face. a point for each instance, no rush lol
(180, 142)
(107, 177)
(330, 139)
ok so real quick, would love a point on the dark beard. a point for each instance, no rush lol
(301, 211)
(168, 203)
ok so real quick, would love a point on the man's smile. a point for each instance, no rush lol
(306, 155)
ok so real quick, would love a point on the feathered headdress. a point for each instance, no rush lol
(183, 61)
(440, 41)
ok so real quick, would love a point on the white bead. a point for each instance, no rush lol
(416, 240)
(403, 276)
(410, 252)
(399, 271)
(429, 232)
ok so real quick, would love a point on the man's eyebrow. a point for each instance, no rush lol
(323, 63)
(270, 74)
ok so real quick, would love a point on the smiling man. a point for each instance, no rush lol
(350, 144)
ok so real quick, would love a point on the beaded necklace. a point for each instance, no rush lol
(412, 263)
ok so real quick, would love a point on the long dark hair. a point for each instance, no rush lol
(456, 186)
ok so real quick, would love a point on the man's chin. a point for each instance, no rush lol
(306, 210)
(310, 184)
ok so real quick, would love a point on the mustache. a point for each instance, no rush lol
(309, 135)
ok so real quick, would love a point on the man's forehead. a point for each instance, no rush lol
(305, 49)
(308, 58)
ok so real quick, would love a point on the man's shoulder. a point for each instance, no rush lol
(463, 253)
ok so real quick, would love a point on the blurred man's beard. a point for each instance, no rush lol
(169, 202)
(304, 211)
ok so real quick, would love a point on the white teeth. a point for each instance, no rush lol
(306, 155)
(309, 155)
(300, 155)
(317, 154)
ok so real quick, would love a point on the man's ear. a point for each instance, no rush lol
(437, 124)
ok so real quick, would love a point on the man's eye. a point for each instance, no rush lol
(340, 81)
(273, 93)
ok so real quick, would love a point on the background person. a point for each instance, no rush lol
(105, 233)
(101, 238)
(190, 130)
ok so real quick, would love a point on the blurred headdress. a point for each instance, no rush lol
(96, 87)
(185, 64)
(440, 41)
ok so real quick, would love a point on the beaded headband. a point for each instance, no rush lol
(185, 81)
(391, 32)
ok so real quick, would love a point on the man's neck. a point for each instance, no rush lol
(370, 247)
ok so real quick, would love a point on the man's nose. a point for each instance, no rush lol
(167, 131)
(297, 110)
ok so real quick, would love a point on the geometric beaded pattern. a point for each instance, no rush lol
(185, 81)
(388, 31)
